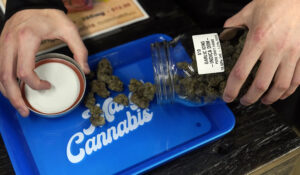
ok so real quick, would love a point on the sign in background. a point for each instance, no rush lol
(104, 16)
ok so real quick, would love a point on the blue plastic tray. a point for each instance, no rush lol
(70, 145)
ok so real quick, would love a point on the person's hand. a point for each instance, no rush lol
(19, 43)
(274, 38)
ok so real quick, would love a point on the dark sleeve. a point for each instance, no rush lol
(13, 6)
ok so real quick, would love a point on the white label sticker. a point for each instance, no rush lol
(208, 53)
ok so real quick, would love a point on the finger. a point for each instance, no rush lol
(14, 95)
(263, 78)
(2, 90)
(289, 92)
(295, 82)
(229, 33)
(249, 56)
(282, 80)
(28, 46)
(9, 82)
(73, 40)
(240, 18)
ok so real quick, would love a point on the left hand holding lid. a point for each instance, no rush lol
(19, 43)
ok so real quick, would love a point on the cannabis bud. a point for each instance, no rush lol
(121, 99)
(142, 94)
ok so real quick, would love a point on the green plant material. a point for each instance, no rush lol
(104, 78)
(134, 85)
(104, 74)
(104, 67)
(115, 84)
(148, 91)
(140, 101)
(89, 100)
(99, 88)
(121, 99)
(96, 118)
(142, 94)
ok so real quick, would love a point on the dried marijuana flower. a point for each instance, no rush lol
(121, 99)
(96, 118)
(142, 94)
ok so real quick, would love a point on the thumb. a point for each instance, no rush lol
(234, 21)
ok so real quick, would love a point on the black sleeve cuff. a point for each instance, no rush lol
(13, 6)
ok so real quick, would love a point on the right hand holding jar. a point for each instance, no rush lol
(176, 70)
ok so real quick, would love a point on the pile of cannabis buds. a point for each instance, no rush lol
(206, 88)
(142, 93)
(188, 84)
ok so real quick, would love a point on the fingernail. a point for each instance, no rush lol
(87, 68)
(266, 102)
(227, 99)
(22, 112)
(283, 97)
(244, 102)
(46, 85)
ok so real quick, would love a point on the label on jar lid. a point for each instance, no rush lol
(208, 53)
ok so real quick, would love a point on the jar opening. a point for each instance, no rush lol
(163, 72)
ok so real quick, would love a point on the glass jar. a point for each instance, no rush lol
(176, 73)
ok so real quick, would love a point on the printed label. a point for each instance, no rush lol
(208, 53)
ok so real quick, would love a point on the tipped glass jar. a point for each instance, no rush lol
(183, 77)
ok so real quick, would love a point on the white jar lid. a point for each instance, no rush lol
(67, 87)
